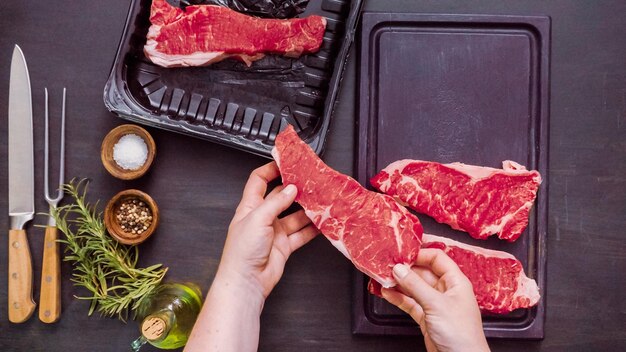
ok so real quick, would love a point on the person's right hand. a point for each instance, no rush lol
(439, 297)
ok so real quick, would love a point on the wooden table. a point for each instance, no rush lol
(197, 184)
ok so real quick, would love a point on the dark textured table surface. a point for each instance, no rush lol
(197, 184)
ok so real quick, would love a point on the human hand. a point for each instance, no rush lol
(258, 242)
(439, 297)
(256, 249)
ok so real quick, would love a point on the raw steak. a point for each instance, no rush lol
(369, 228)
(204, 34)
(479, 200)
(498, 278)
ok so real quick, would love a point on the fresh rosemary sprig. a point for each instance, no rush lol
(102, 265)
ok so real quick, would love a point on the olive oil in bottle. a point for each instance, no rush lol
(168, 315)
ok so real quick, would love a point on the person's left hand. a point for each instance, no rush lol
(258, 242)
(256, 250)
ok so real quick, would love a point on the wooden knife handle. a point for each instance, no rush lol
(21, 304)
(50, 297)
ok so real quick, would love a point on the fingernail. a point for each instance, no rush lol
(401, 270)
(290, 190)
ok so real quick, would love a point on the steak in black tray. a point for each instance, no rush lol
(229, 102)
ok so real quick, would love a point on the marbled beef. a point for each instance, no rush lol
(479, 200)
(370, 229)
(497, 277)
(205, 34)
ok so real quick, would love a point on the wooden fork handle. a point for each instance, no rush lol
(50, 297)
(21, 304)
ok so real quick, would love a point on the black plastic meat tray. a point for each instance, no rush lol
(448, 88)
(228, 102)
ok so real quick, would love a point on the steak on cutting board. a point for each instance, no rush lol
(479, 200)
(369, 228)
(204, 34)
(498, 279)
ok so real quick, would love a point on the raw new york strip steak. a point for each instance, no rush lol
(205, 34)
(369, 228)
(498, 278)
(479, 200)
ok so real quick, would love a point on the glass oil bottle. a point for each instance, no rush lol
(168, 315)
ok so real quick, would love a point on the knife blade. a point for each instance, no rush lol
(21, 189)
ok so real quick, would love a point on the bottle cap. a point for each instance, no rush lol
(153, 328)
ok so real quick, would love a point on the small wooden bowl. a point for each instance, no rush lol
(106, 151)
(112, 224)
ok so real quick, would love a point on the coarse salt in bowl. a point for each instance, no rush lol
(127, 151)
(130, 152)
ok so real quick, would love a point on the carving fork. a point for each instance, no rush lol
(50, 297)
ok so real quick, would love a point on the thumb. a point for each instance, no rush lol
(414, 286)
(277, 203)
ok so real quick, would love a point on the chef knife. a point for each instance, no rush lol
(21, 190)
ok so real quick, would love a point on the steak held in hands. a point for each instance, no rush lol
(204, 34)
(497, 277)
(370, 229)
(479, 200)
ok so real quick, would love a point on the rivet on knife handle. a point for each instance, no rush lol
(21, 304)
(50, 297)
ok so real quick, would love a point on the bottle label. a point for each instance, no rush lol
(153, 328)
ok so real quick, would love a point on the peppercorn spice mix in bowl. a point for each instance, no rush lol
(131, 216)
(127, 151)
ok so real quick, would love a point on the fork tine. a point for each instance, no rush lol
(62, 158)
(46, 151)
